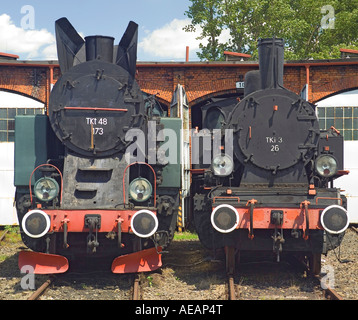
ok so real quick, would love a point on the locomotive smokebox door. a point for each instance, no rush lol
(89, 106)
(276, 130)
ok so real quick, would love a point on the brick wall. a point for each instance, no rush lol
(201, 80)
(294, 78)
(32, 82)
(207, 80)
(328, 80)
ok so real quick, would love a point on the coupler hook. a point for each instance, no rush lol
(93, 223)
(278, 239)
(251, 204)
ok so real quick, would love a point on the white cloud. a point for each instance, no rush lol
(28, 44)
(170, 41)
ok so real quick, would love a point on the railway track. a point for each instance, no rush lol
(329, 293)
(136, 288)
(233, 291)
(355, 229)
(36, 295)
(2, 237)
(41, 290)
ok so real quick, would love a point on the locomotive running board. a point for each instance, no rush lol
(141, 261)
(42, 263)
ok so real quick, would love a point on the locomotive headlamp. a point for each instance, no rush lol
(222, 165)
(334, 219)
(140, 189)
(326, 166)
(36, 223)
(225, 218)
(144, 223)
(46, 189)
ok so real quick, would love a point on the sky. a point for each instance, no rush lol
(27, 27)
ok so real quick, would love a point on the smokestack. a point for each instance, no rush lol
(252, 82)
(187, 54)
(271, 59)
(100, 48)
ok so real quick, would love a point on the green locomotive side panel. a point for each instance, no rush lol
(30, 147)
(172, 171)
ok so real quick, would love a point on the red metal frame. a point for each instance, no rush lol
(294, 218)
(75, 220)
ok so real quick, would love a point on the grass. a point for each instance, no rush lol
(186, 235)
(13, 235)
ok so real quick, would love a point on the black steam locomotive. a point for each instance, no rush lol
(269, 188)
(85, 184)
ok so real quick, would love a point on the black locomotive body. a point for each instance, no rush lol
(270, 188)
(91, 188)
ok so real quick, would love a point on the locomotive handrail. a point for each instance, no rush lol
(155, 181)
(46, 165)
(251, 204)
(335, 130)
(233, 198)
(95, 109)
(328, 198)
(304, 206)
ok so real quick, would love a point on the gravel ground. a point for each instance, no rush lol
(255, 280)
(343, 275)
(189, 272)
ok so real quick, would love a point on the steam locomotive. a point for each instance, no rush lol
(270, 185)
(85, 184)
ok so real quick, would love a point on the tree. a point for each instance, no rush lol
(206, 14)
(311, 28)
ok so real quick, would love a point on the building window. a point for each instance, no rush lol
(344, 119)
(7, 121)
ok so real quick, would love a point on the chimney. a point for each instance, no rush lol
(100, 48)
(271, 59)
